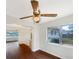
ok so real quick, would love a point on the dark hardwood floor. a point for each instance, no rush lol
(44, 55)
(22, 51)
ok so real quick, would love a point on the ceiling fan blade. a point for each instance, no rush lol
(48, 15)
(34, 4)
(26, 17)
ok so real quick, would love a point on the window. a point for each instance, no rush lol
(53, 35)
(67, 34)
(12, 35)
(62, 34)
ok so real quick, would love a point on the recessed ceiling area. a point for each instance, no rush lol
(20, 8)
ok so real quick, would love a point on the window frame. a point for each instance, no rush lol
(60, 40)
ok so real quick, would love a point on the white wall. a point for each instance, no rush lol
(35, 37)
(10, 19)
(24, 36)
(65, 52)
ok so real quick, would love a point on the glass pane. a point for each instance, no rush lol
(67, 34)
(53, 35)
(12, 34)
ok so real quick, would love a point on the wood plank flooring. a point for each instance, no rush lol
(15, 51)
(44, 55)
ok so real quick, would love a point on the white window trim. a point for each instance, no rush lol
(58, 44)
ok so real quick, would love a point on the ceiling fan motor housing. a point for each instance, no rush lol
(36, 13)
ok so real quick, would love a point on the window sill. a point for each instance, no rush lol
(61, 45)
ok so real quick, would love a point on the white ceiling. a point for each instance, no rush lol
(20, 8)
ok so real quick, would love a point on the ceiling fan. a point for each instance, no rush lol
(36, 12)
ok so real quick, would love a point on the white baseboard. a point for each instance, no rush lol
(35, 49)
